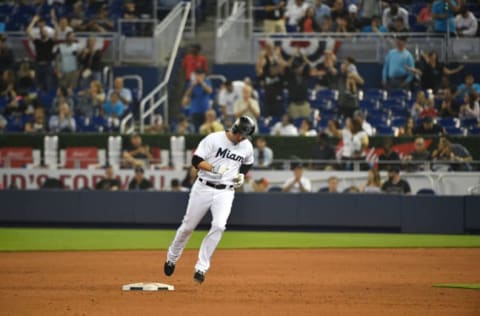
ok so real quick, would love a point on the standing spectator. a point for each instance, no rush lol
(467, 87)
(443, 15)
(263, 154)
(347, 84)
(25, 78)
(466, 23)
(424, 17)
(124, 94)
(321, 10)
(324, 71)
(247, 105)
(449, 106)
(139, 182)
(190, 177)
(433, 71)
(298, 183)
(61, 27)
(296, 77)
(308, 24)
(211, 124)
(136, 153)
(67, 68)
(284, 128)
(77, 17)
(38, 26)
(391, 12)
(375, 26)
(395, 75)
(269, 69)
(90, 60)
(63, 121)
(90, 100)
(374, 182)
(295, 12)
(6, 54)
(102, 21)
(323, 151)
(420, 153)
(62, 96)
(388, 156)
(428, 127)
(395, 184)
(274, 21)
(108, 182)
(227, 96)
(43, 56)
(369, 9)
(194, 61)
(470, 107)
(198, 96)
(39, 122)
(306, 129)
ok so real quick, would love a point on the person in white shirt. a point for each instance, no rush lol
(298, 183)
(295, 12)
(67, 62)
(262, 153)
(392, 12)
(247, 105)
(61, 27)
(284, 128)
(466, 23)
(41, 24)
(367, 127)
(306, 128)
(227, 96)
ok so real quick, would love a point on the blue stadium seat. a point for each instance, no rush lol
(452, 130)
(384, 130)
(399, 94)
(426, 191)
(447, 122)
(374, 94)
(327, 94)
(275, 189)
(469, 122)
(398, 121)
(474, 131)
(368, 105)
(400, 111)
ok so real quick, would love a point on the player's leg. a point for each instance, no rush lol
(220, 208)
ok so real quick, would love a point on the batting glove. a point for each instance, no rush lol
(238, 180)
(220, 169)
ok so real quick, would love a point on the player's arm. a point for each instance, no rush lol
(199, 163)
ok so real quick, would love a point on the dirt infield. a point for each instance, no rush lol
(243, 282)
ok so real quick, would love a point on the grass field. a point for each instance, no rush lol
(43, 239)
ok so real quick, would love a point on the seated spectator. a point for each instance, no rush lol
(424, 17)
(62, 96)
(139, 182)
(298, 183)
(428, 127)
(90, 61)
(353, 21)
(39, 123)
(194, 61)
(395, 74)
(3, 123)
(467, 87)
(333, 128)
(327, 25)
(308, 24)
(67, 67)
(190, 177)
(470, 107)
(135, 153)
(176, 187)
(113, 107)
(456, 154)
(295, 12)
(25, 79)
(260, 185)
(284, 128)
(183, 126)
(443, 15)
(342, 25)
(466, 23)
(324, 71)
(321, 11)
(77, 17)
(262, 153)
(102, 22)
(332, 185)
(374, 182)
(158, 125)
(367, 127)
(227, 96)
(352, 189)
(375, 26)
(338, 9)
(388, 155)
(247, 105)
(391, 12)
(398, 25)
(395, 184)
(420, 153)
(108, 182)
(449, 106)
(90, 100)
(6, 54)
(296, 77)
(63, 121)
(211, 124)
(322, 150)
(124, 94)
(306, 129)
(197, 96)
(407, 129)
(421, 103)
(429, 109)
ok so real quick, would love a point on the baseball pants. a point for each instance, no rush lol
(202, 198)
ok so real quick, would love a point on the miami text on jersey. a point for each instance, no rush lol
(226, 153)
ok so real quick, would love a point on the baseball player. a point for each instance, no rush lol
(222, 159)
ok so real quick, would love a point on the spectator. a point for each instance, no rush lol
(296, 77)
(190, 177)
(332, 185)
(129, 11)
(77, 17)
(43, 56)
(429, 109)
(136, 153)
(433, 70)
(449, 106)
(247, 105)
(420, 104)
(198, 96)
(389, 157)
(262, 153)
(308, 24)
(139, 182)
(284, 128)
(322, 150)
(391, 12)
(260, 185)
(227, 96)
(9, 96)
(269, 69)
(124, 94)
(428, 127)
(158, 125)
(470, 107)
(274, 21)
(61, 27)
(466, 23)
(63, 121)
(398, 25)
(39, 123)
(369, 9)
(352, 189)
(420, 153)
(407, 129)
(183, 126)
(62, 96)
(176, 187)
(25, 79)
(113, 107)
(67, 68)
(374, 182)
(6, 54)
(456, 154)
(395, 74)
(327, 25)
(338, 9)
(211, 124)
(468, 87)
(194, 61)
(353, 21)
(306, 128)
(359, 140)
(424, 17)
(90, 60)
(3, 123)
(395, 184)
(38, 25)
(324, 71)
(348, 81)
(333, 128)
(295, 12)
(443, 15)
(321, 10)
(91, 100)
(101, 22)
(367, 127)
(108, 182)
(298, 183)
(375, 26)
(341, 24)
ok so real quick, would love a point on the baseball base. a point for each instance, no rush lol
(151, 286)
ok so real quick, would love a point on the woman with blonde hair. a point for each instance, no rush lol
(374, 182)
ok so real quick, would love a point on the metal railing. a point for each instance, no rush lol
(159, 96)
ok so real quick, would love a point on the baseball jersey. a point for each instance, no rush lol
(217, 149)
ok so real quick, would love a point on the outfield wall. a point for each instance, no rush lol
(354, 212)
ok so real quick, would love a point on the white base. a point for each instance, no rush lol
(150, 286)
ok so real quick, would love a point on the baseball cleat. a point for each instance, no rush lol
(199, 276)
(168, 268)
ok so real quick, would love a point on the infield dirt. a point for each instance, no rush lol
(243, 282)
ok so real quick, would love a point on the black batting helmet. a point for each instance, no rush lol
(244, 125)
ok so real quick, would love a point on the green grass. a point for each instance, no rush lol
(474, 286)
(34, 239)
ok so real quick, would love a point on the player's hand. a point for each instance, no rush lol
(238, 180)
(220, 169)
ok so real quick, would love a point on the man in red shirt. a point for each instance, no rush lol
(193, 61)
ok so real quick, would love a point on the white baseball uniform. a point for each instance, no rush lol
(217, 150)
